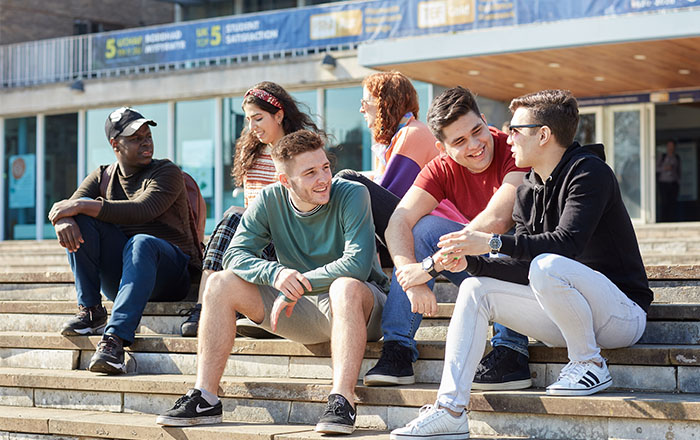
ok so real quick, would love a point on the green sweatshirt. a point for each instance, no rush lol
(337, 240)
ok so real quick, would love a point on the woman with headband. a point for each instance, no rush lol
(270, 113)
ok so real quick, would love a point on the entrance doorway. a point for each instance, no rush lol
(676, 152)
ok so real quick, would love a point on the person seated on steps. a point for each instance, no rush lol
(575, 278)
(401, 145)
(477, 173)
(326, 284)
(133, 243)
(270, 113)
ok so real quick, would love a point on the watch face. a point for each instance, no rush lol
(495, 243)
(427, 264)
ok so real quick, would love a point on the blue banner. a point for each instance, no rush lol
(342, 23)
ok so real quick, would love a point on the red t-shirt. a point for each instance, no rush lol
(444, 178)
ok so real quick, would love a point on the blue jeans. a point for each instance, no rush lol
(400, 324)
(128, 271)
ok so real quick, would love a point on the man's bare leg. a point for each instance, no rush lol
(224, 295)
(351, 305)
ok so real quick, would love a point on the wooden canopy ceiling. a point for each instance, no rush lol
(587, 71)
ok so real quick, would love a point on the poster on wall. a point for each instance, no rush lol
(197, 159)
(22, 181)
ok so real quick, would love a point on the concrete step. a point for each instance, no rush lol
(656, 332)
(90, 425)
(641, 367)
(528, 413)
(667, 230)
(666, 259)
(657, 312)
(33, 258)
(665, 291)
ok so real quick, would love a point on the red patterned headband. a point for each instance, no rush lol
(263, 95)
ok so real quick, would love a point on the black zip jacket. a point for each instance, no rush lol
(577, 213)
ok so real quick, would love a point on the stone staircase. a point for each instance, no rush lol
(276, 389)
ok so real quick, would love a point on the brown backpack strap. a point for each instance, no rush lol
(107, 174)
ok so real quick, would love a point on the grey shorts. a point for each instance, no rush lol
(310, 322)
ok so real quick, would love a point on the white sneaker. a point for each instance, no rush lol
(581, 379)
(433, 423)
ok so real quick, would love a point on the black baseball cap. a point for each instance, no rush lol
(125, 121)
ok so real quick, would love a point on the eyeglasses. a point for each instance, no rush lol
(515, 128)
(364, 103)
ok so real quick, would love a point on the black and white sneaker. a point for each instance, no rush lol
(395, 367)
(191, 409)
(502, 369)
(339, 417)
(88, 321)
(109, 356)
(191, 325)
(581, 379)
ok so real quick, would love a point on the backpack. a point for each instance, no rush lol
(196, 205)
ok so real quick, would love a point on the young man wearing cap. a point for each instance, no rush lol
(127, 234)
(327, 281)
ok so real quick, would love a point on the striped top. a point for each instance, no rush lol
(261, 174)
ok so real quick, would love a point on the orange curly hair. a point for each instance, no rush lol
(395, 97)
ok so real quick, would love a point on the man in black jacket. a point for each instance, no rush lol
(574, 279)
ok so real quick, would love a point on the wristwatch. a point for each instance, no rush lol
(428, 265)
(495, 244)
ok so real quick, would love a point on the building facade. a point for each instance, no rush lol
(633, 65)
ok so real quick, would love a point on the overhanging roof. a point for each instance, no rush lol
(590, 57)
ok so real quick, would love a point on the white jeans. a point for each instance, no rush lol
(567, 304)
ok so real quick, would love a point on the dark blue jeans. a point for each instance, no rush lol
(400, 324)
(128, 271)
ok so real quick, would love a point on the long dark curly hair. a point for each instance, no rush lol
(249, 147)
(395, 97)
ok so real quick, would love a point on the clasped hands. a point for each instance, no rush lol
(67, 230)
(451, 256)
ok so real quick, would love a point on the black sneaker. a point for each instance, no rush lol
(339, 417)
(191, 409)
(109, 356)
(190, 326)
(88, 321)
(395, 367)
(502, 369)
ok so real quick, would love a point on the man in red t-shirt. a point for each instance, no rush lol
(476, 172)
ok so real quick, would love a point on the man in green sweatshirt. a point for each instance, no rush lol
(327, 281)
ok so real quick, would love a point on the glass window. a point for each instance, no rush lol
(233, 124)
(194, 147)
(423, 90)
(585, 134)
(627, 141)
(267, 5)
(98, 150)
(61, 162)
(309, 104)
(208, 10)
(344, 122)
(20, 180)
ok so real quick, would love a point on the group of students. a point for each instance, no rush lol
(529, 224)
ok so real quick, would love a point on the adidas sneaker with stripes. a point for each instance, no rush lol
(581, 379)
